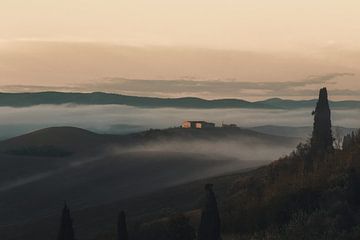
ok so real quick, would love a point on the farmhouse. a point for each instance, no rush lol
(197, 124)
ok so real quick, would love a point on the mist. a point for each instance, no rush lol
(196, 157)
(218, 157)
(143, 167)
(136, 170)
(120, 119)
(240, 149)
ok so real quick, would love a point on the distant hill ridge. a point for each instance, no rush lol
(101, 98)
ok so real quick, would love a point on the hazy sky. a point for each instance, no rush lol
(70, 44)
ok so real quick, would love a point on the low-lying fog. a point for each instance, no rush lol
(243, 149)
(123, 172)
(141, 168)
(124, 119)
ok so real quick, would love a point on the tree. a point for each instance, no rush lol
(322, 138)
(210, 228)
(351, 140)
(180, 228)
(66, 231)
(338, 138)
(347, 142)
(122, 233)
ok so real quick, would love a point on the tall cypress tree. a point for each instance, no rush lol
(122, 233)
(66, 231)
(322, 138)
(210, 226)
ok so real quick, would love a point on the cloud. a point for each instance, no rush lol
(327, 77)
(39, 88)
(28, 66)
(57, 63)
(227, 88)
(206, 88)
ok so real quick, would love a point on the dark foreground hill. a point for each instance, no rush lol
(100, 98)
(101, 170)
(283, 200)
(279, 201)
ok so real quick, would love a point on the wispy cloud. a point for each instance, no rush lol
(172, 71)
(227, 88)
(39, 88)
(307, 87)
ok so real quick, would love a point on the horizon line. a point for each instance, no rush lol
(173, 98)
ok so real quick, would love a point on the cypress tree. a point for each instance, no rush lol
(322, 138)
(122, 233)
(210, 228)
(66, 231)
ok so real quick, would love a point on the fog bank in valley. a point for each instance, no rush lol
(124, 119)
(240, 149)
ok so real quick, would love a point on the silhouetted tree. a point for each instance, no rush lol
(350, 141)
(66, 231)
(210, 228)
(322, 138)
(180, 228)
(347, 141)
(122, 233)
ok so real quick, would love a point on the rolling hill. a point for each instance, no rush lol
(277, 201)
(67, 138)
(105, 169)
(101, 98)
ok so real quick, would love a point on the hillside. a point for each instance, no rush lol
(311, 193)
(79, 141)
(67, 138)
(278, 201)
(106, 169)
(100, 98)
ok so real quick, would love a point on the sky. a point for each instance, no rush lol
(204, 48)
